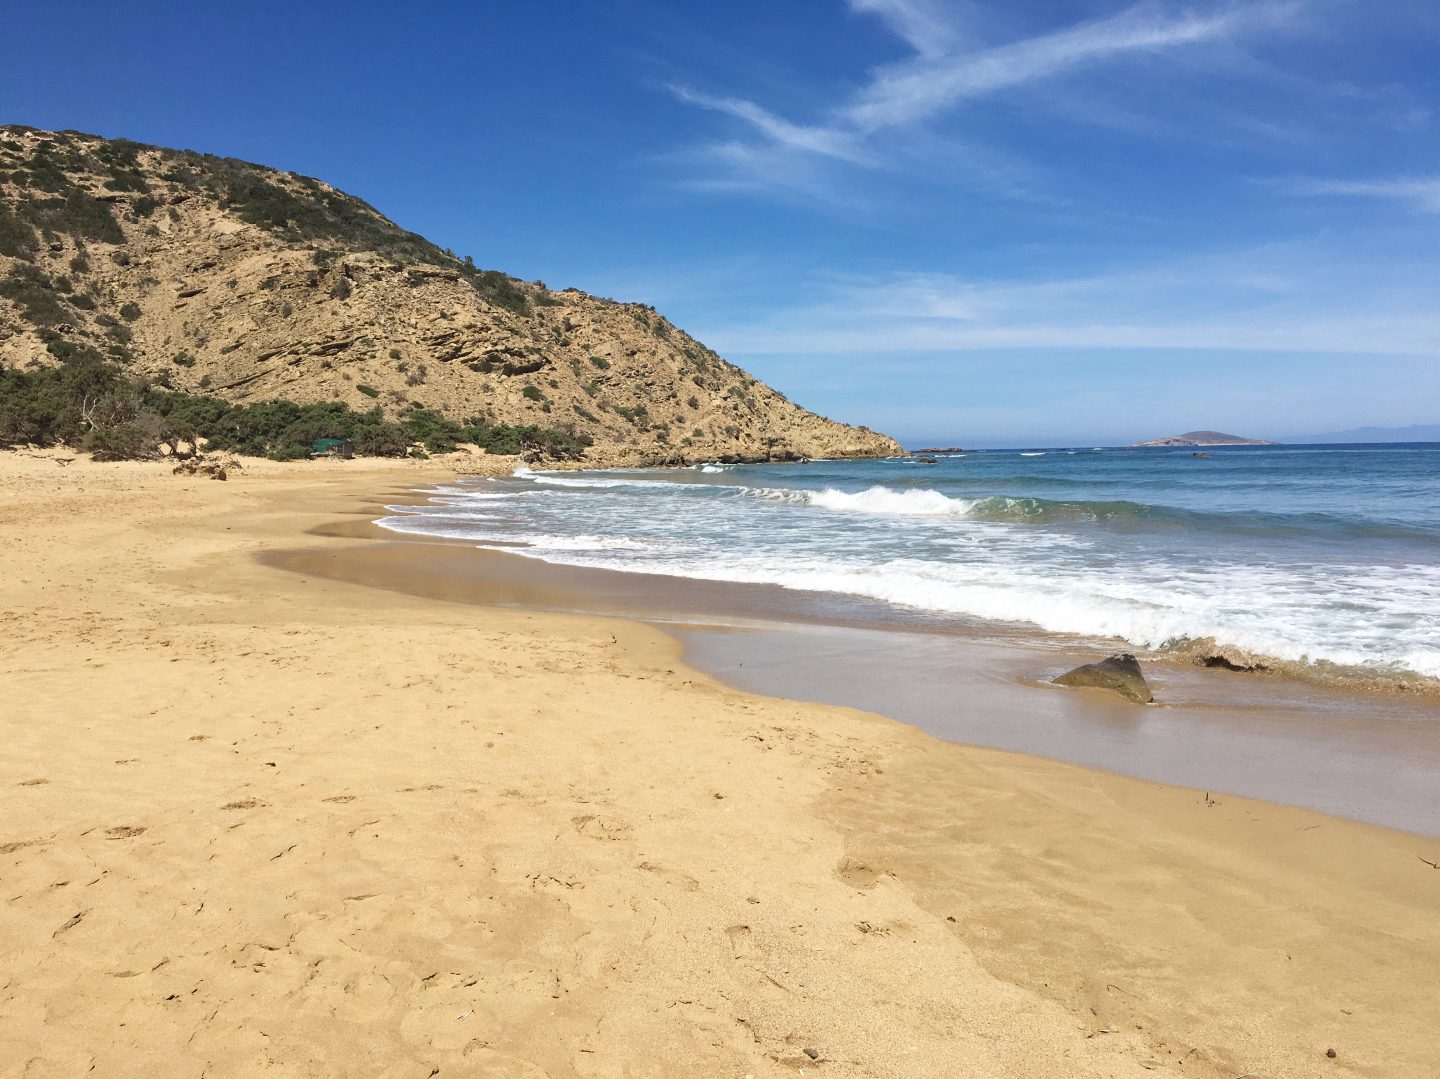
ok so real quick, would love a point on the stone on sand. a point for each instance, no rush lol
(1121, 674)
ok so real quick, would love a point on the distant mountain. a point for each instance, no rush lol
(1419, 432)
(1204, 438)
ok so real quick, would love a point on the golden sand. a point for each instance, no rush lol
(254, 822)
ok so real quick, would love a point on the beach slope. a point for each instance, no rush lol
(258, 822)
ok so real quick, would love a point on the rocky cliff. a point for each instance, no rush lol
(216, 276)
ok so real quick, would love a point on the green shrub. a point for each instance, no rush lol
(130, 312)
(496, 287)
(122, 442)
(368, 391)
(638, 416)
(600, 362)
(50, 405)
(380, 440)
(78, 214)
(510, 440)
(295, 452)
(31, 291)
(532, 393)
(17, 239)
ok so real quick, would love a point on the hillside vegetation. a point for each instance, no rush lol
(136, 279)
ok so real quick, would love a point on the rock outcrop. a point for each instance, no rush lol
(1120, 674)
(220, 277)
(1208, 652)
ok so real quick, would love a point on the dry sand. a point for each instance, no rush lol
(254, 822)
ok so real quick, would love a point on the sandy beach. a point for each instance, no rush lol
(255, 821)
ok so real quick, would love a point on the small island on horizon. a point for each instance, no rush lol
(1203, 438)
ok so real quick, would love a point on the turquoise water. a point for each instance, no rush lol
(1323, 555)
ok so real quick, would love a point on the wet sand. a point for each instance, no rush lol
(257, 821)
(1369, 756)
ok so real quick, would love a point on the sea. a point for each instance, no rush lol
(1319, 557)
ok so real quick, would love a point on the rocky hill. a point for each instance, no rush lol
(1204, 438)
(216, 276)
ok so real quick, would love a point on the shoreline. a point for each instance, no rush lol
(263, 822)
(861, 610)
(1362, 754)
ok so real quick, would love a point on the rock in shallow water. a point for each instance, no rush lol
(1120, 674)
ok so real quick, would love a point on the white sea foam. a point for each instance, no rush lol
(1150, 611)
(1059, 565)
(586, 542)
(583, 481)
(875, 500)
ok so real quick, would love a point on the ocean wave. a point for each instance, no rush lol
(1251, 611)
(1118, 513)
(927, 502)
(584, 482)
(597, 482)
(886, 501)
(918, 502)
(1305, 587)
(589, 542)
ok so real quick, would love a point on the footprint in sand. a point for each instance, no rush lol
(858, 874)
(124, 831)
(741, 943)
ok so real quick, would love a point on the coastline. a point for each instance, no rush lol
(1362, 751)
(290, 825)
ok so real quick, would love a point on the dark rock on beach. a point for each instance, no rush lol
(1121, 674)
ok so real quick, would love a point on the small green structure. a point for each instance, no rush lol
(331, 447)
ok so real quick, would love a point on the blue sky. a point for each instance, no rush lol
(982, 223)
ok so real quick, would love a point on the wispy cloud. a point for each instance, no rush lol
(825, 141)
(1284, 298)
(927, 28)
(918, 89)
(1421, 191)
(949, 68)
